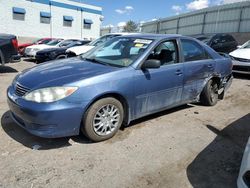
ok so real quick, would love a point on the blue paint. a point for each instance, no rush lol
(68, 6)
(68, 18)
(145, 90)
(87, 21)
(45, 14)
(18, 10)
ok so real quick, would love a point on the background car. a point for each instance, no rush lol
(123, 79)
(31, 50)
(8, 48)
(75, 51)
(58, 53)
(241, 59)
(21, 47)
(219, 42)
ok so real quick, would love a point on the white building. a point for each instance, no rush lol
(50, 18)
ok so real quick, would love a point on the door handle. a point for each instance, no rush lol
(210, 65)
(178, 72)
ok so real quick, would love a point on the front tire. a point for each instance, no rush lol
(103, 119)
(209, 95)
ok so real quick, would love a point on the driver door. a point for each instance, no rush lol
(160, 88)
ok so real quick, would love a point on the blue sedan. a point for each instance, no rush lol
(119, 81)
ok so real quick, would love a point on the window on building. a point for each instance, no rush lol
(87, 23)
(18, 13)
(67, 21)
(45, 17)
(193, 51)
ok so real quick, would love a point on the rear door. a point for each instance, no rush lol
(198, 66)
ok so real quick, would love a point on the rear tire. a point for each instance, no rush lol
(209, 95)
(103, 119)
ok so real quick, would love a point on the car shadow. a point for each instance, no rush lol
(34, 142)
(29, 60)
(7, 69)
(218, 164)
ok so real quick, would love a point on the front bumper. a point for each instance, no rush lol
(245, 166)
(48, 120)
(241, 67)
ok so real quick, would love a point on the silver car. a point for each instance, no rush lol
(244, 175)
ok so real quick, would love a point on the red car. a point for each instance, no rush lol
(21, 47)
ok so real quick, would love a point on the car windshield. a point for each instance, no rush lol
(102, 39)
(65, 43)
(119, 52)
(54, 42)
(246, 45)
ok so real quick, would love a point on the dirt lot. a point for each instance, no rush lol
(189, 146)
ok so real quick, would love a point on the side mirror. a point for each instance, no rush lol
(239, 46)
(151, 64)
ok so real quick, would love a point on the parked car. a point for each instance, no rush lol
(219, 42)
(125, 78)
(58, 53)
(77, 50)
(244, 175)
(32, 50)
(8, 48)
(21, 47)
(241, 59)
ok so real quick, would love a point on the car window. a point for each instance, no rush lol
(192, 51)
(166, 52)
(229, 38)
(46, 41)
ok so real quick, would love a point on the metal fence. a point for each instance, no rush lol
(229, 18)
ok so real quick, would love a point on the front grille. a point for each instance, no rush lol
(20, 90)
(241, 68)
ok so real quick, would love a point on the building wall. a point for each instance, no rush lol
(230, 18)
(32, 28)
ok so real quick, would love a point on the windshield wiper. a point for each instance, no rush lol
(96, 61)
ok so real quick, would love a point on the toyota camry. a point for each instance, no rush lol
(126, 78)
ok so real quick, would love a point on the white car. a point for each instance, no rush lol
(31, 50)
(244, 175)
(241, 59)
(77, 50)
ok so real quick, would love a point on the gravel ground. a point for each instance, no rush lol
(188, 146)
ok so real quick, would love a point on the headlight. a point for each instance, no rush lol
(50, 94)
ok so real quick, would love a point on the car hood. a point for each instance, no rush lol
(61, 72)
(241, 53)
(40, 46)
(80, 49)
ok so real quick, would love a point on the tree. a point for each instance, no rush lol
(130, 27)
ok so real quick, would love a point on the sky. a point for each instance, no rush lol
(118, 12)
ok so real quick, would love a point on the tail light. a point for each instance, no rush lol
(15, 43)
